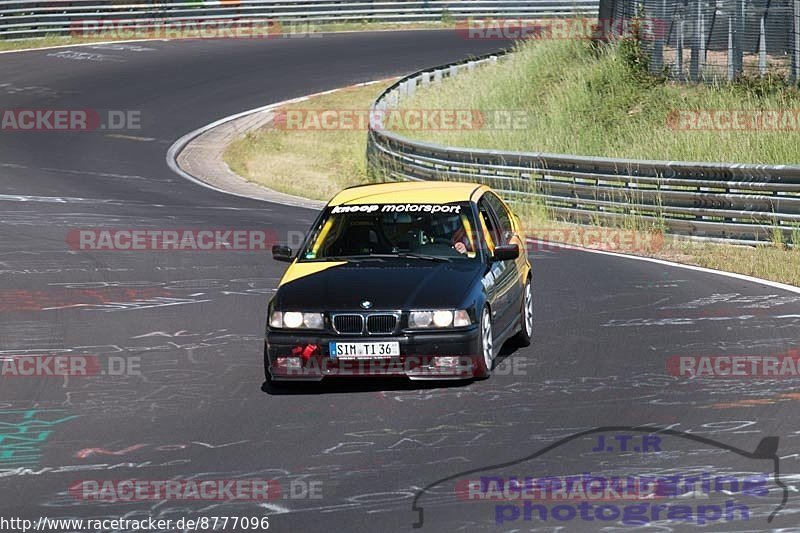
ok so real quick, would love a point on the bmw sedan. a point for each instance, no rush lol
(425, 280)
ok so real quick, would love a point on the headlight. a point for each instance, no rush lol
(420, 319)
(439, 319)
(292, 319)
(442, 319)
(313, 320)
(296, 320)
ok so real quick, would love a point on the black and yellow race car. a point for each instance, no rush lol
(419, 279)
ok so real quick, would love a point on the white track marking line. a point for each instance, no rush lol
(178, 146)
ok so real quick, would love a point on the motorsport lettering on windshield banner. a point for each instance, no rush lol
(397, 208)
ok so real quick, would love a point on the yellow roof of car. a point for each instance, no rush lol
(415, 192)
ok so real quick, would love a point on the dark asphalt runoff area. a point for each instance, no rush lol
(354, 456)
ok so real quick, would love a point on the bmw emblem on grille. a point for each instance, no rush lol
(366, 304)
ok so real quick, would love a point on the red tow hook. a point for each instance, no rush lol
(305, 352)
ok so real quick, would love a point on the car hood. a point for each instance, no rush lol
(388, 285)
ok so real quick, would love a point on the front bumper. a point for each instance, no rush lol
(423, 355)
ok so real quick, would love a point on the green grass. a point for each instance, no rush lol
(579, 99)
(44, 42)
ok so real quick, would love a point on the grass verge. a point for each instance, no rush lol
(569, 96)
(46, 42)
(309, 162)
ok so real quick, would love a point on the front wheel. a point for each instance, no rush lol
(523, 337)
(485, 360)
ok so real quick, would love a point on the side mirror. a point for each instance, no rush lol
(281, 253)
(506, 252)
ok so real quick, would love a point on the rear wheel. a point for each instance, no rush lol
(485, 359)
(523, 338)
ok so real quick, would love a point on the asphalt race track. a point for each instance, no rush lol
(352, 456)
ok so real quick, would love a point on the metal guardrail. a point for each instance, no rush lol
(734, 202)
(27, 18)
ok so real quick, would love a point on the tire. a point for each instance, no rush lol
(485, 359)
(523, 337)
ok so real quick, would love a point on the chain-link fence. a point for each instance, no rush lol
(702, 39)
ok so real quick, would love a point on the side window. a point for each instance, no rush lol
(503, 216)
(491, 229)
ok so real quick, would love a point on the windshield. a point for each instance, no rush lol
(443, 231)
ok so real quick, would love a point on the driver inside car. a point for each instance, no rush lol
(461, 239)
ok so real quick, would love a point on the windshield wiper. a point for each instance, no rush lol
(412, 255)
(382, 257)
(348, 258)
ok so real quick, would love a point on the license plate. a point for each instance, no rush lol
(363, 350)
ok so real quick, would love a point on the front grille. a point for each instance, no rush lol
(348, 323)
(381, 323)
